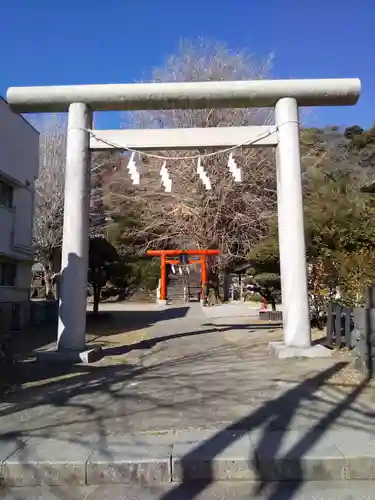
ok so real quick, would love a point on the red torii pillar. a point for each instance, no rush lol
(164, 260)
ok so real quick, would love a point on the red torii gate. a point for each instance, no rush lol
(165, 258)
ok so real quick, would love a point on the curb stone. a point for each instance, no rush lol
(7, 449)
(127, 459)
(193, 455)
(47, 462)
(200, 455)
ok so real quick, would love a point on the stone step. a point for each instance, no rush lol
(311, 454)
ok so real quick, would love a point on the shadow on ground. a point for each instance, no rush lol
(274, 414)
(214, 328)
(277, 413)
(31, 371)
(93, 395)
(98, 325)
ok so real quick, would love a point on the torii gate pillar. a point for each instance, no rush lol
(75, 247)
(293, 268)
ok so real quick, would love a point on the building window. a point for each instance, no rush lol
(8, 273)
(6, 194)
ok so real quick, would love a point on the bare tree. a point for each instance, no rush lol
(49, 195)
(232, 216)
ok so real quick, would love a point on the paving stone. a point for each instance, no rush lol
(10, 446)
(205, 454)
(47, 462)
(211, 454)
(298, 455)
(340, 490)
(50, 493)
(358, 449)
(192, 377)
(7, 448)
(126, 459)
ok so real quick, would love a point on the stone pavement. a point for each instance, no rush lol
(232, 310)
(354, 490)
(182, 399)
(237, 310)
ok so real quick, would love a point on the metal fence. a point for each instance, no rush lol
(271, 316)
(24, 326)
(44, 312)
(364, 336)
(355, 329)
(340, 326)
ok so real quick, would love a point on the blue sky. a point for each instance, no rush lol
(50, 42)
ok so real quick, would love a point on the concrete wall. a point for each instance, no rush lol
(19, 153)
(19, 145)
(23, 219)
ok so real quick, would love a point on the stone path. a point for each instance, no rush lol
(187, 398)
(356, 490)
(236, 310)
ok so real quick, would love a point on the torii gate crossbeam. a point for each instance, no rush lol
(285, 95)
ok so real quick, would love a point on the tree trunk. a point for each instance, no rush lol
(268, 295)
(240, 279)
(48, 285)
(273, 303)
(57, 280)
(213, 279)
(226, 286)
(96, 298)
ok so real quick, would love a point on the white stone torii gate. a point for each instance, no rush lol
(81, 100)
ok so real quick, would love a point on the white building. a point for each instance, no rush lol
(19, 163)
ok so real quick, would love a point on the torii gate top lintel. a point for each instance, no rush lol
(182, 95)
(183, 252)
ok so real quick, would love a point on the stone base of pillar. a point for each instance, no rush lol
(86, 356)
(281, 351)
(161, 302)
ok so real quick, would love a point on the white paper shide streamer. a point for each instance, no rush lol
(135, 160)
(133, 169)
(234, 169)
(165, 178)
(203, 175)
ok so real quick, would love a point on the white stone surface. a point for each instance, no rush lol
(241, 94)
(185, 138)
(282, 351)
(293, 265)
(75, 248)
